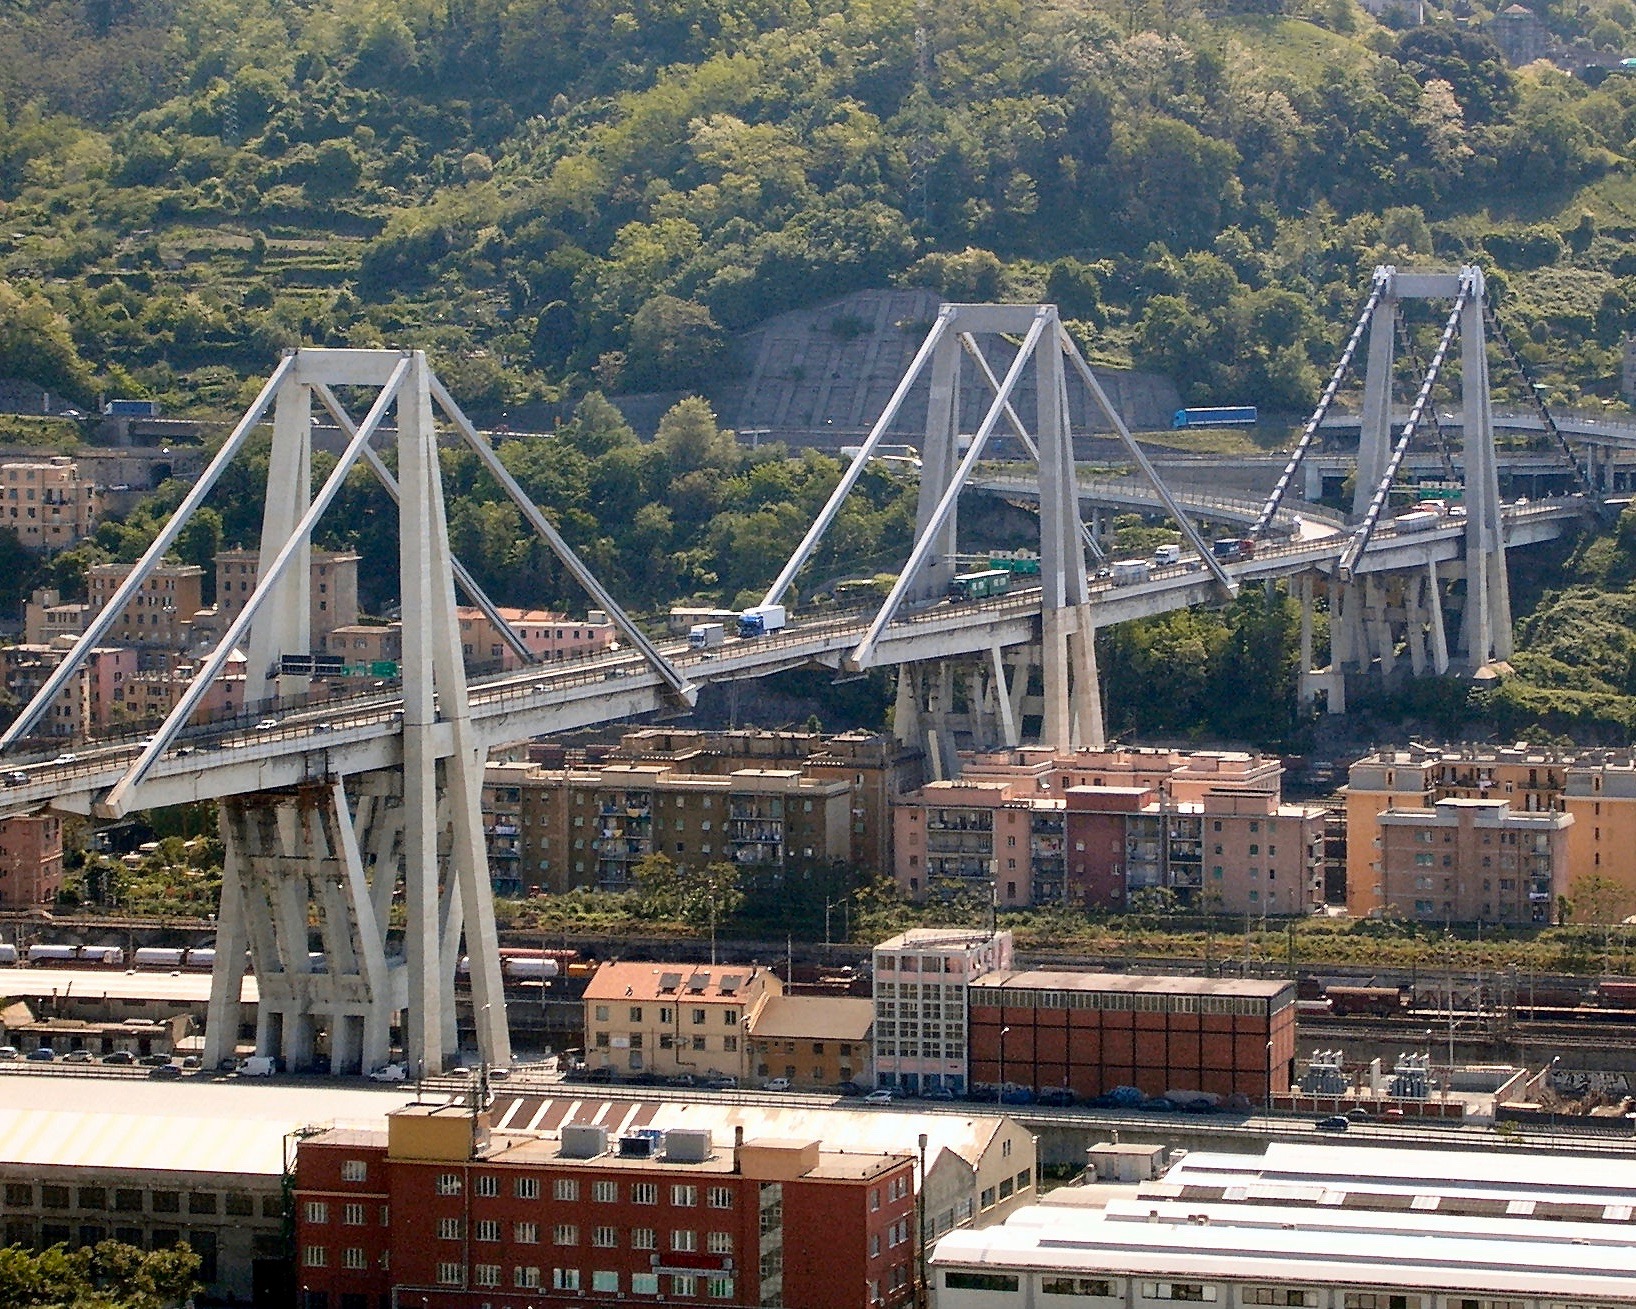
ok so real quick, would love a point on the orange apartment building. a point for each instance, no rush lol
(160, 615)
(48, 504)
(1466, 860)
(30, 860)
(46, 619)
(1530, 779)
(332, 592)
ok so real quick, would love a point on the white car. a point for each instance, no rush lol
(878, 1096)
(777, 1084)
(266, 724)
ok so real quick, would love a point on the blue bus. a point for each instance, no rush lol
(1238, 416)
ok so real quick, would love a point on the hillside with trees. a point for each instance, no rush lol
(556, 198)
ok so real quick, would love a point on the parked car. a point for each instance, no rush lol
(389, 1073)
(777, 1084)
(120, 1057)
(937, 1093)
(1058, 1096)
(165, 1070)
(1334, 1123)
(681, 1079)
(880, 1095)
(9, 1052)
(44, 1055)
(720, 1084)
(79, 1057)
(1359, 1115)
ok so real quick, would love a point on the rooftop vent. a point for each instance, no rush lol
(584, 1140)
(687, 1145)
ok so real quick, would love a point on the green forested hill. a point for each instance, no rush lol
(559, 196)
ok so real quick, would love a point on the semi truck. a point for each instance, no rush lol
(706, 636)
(1233, 549)
(761, 619)
(1229, 416)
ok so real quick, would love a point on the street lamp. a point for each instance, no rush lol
(1003, 1032)
(1269, 1076)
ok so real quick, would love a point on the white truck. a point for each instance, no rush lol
(1167, 556)
(761, 619)
(1129, 570)
(706, 636)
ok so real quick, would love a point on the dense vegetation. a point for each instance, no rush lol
(555, 197)
(107, 1275)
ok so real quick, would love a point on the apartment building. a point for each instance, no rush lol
(876, 767)
(548, 635)
(362, 644)
(332, 592)
(47, 503)
(1046, 838)
(1466, 860)
(93, 696)
(160, 614)
(1589, 784)
(1182, 775)
(1091, 1032)
(920, 1028)
(557, 829)
(47, 620)
(675, 1018)
(580, 1217)
(30, 860)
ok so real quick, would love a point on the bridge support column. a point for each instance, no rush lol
(1304, 597)
(294, 867)
(1375, 429)
(1485, 632)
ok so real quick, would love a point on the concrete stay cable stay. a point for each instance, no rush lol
(389, 483)
(1377, 288)
(151, 559)
(1383, 489)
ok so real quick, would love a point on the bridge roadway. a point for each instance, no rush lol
(310, 745)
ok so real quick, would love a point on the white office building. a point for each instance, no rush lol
(920, 1004)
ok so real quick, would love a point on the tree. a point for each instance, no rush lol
(674, 345)
(1469, 62)
(698, 896)
(108, 1275)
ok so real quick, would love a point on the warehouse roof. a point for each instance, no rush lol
(1161, 1239)
(1050, 980)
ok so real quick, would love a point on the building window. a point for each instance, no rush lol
(1076, 1286)
(644, 1238)
(449, 1274)
(684, 1196)
(719, 1288)
(355, 1258)
(487, 1186)
(644, 1192)
(565, 1279)
(352, 1214)
(354, 1170)
(524, 1278)
(606, 1238)
(528, 1188)
(719, 1242)
(317, 1211)
(565, 1234)
(565, 1188)
(604, 1280)
(721, 1197)
(684, 1240)
(644, 1283)
(525, 1233)
(605, 1192)
(448, 1183)
(315, 1256)
(485, 1275)
(486, 1229)
(449, 1229)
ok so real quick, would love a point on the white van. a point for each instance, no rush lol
(258, 1065)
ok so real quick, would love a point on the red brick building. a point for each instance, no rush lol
(30, 860)
(1091, 1032)
(443, 1212)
